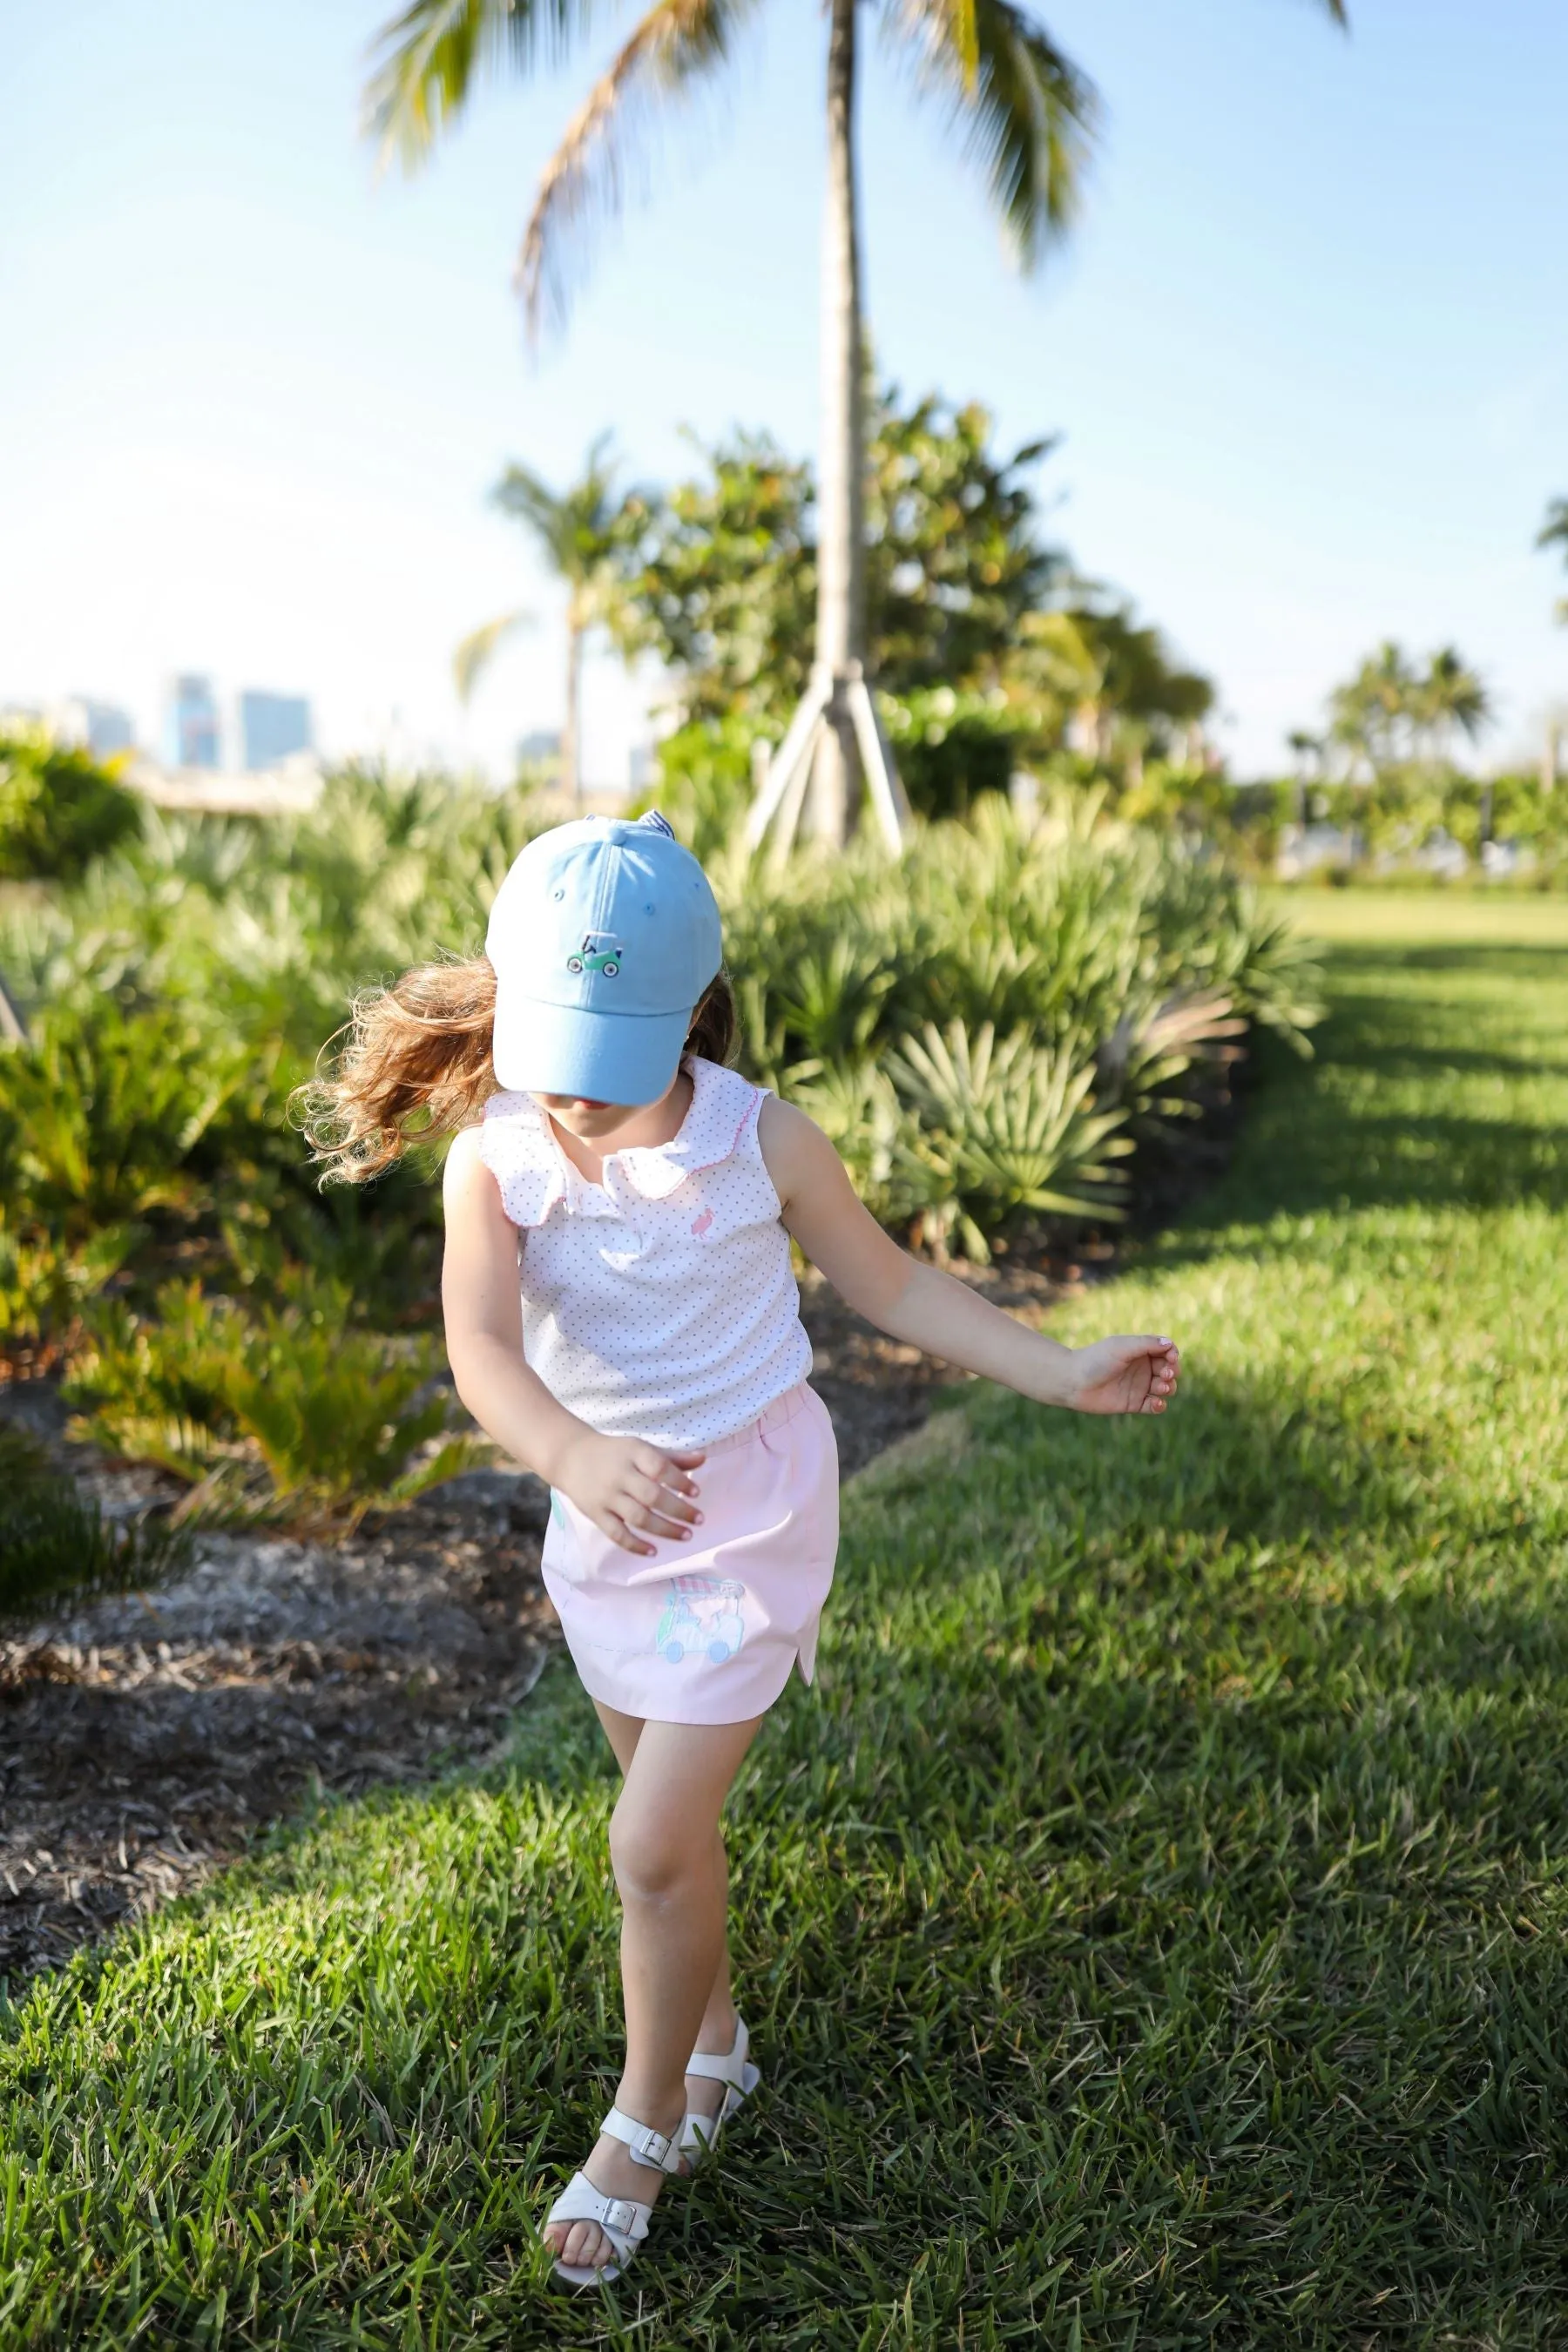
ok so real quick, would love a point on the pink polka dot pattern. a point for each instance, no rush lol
(661, 1304)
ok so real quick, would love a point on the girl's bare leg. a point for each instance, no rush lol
(717, 2032)
(665, 1845)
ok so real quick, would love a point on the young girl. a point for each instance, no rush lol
(622, 1315)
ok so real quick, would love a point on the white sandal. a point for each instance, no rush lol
(622, 2218)
(733, 2068)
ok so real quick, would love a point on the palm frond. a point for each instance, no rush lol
(424, 61)
(475, 652)
(1028, 114)
(674, 46)
(572, 524)
(528, 498)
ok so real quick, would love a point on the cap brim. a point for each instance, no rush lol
(565, 1049)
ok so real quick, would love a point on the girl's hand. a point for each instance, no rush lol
(1123, 1376)
(623, 1484)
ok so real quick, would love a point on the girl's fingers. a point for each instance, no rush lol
(659, 1519)
(651, 1464)
(670, 1498)
(620, 1535)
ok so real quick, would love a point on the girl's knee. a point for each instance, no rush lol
(655, 1852)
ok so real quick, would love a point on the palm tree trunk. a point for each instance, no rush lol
(841, 562)
(571, 754)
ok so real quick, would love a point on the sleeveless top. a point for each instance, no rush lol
(661, 1304)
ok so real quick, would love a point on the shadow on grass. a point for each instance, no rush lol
(1142, 1920)
(1328, 1137)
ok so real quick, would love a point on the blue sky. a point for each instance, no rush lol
(1308, 351)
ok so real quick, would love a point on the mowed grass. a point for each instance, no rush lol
(1152, 1928)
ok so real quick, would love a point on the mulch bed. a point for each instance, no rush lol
(145, 1739)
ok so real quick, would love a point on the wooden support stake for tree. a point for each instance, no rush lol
(880, 769)
(794, 754)
(781, 797)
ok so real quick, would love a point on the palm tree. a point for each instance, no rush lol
(1367, 713)
(579, 531)
(1553, 533)
(1450, 696)
(1027, 117)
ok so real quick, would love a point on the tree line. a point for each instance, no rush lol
(987, 645)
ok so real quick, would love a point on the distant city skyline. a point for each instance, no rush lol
(265, 728)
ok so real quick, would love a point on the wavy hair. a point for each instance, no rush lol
(416, 1065)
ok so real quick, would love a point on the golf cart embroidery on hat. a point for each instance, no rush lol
(597, 955)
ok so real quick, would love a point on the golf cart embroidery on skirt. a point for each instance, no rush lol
(701, 1619)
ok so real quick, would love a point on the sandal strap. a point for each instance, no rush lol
(661, 2151)
(724, 2066)
(622, 2218)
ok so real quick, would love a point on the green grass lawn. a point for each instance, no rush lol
(1153, 1926)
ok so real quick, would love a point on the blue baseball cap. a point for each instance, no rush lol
(604, 936)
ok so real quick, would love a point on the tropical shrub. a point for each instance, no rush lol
(1395, 817)
(1000, 1130)
(992, 1030)
(103, 1112)
(952, 746)
(704, 781)
(45, 1284)
(963, 1024)
(287, 1413)
(54, 1543)
(60, 809)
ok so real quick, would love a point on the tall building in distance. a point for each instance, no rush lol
(105, 728)
(271, 727)
(191, 724)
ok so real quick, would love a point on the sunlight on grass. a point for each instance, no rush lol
(1152, 1928)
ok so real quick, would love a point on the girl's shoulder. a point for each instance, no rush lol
(516, 1146)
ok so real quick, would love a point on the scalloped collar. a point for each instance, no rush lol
(535, 1172)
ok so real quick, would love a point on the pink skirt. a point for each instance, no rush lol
(707, 1630)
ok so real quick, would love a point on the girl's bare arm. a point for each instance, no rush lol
(627, 1488)
(933, 1311)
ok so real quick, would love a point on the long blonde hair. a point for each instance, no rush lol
(416, 1064)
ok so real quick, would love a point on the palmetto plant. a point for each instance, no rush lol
(579, 531)
(1002, 1127)
(1021, 110)
(1141, 1064)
